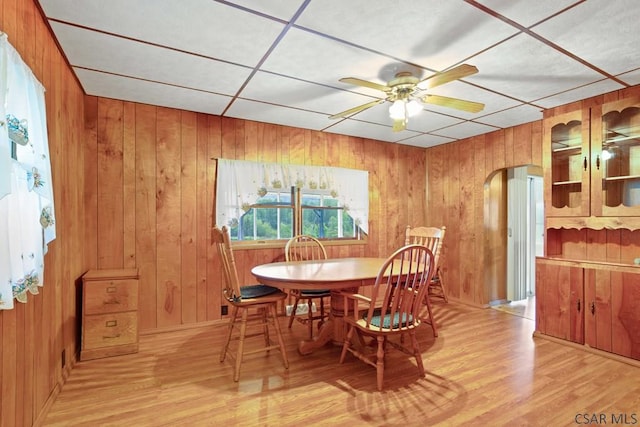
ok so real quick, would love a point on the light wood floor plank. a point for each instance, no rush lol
(485, 368)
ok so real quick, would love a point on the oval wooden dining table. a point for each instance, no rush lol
(337, 275)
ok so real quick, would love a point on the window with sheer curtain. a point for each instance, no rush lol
(27, 223)
(270, 201)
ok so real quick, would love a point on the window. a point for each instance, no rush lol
(273, 217)
(266, 201)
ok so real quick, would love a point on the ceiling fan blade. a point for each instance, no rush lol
(357, 109)
(455, 73)
(458, 104)
(399, 125)
(359, 82)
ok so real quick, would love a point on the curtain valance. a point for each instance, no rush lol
(240, 183)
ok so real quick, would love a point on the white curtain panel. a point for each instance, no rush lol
(27, 214)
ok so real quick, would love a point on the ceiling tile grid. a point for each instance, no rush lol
(281, 61)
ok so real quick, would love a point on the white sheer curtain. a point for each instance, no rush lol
(27, 212)
(241, 183)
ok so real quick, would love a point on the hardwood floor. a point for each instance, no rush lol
(485, 368)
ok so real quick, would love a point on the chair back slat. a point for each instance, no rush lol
(431, 237)
(221, 238)
(400, 288)
(303, 248)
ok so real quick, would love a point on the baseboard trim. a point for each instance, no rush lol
(588, 349)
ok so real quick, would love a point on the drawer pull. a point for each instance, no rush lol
(105, 337)
(111, 289)
(111, 323)
(111, 301)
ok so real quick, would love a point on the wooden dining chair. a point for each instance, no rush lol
(255, 305)
(392, 310)
(432, 237)
(302, 248)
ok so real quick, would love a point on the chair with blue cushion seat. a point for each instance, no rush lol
(303, 248)
(255, 305)
(392, 310)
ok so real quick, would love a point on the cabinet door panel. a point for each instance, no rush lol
(625, 322)
(597, 290)
(566, 163)
(616, 146)
(559, 291)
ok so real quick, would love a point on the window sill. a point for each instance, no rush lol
(275, 244)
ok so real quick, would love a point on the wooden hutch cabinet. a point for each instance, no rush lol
(588, 283)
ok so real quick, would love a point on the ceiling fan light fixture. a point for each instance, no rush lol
(413, 108)
(396, 111)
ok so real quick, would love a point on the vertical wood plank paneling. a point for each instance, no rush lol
(467, 225)
(91, 180)
(110, 184)
(188, 206)
(129, 184)
(169, 304)
(8, 368)
(214, 271)
(254, 135)
(479, 180)
(145, 203)
(452, 212)
(521, 145)
(203, 226)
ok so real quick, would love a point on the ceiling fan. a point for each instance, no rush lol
(406, 91)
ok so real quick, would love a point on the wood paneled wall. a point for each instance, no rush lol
(34, 335)
(465, 192)
(150, 180)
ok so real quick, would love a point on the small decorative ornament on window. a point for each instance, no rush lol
(18, 131)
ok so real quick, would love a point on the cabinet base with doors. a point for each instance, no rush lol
(109, 313)
(589, 303)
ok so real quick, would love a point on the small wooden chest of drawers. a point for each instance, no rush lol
(109, 313)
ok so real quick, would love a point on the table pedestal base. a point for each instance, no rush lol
(332, 330)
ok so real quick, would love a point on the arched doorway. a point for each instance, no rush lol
(514, 227)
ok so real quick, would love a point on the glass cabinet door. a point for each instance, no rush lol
(618, 181)
(567, 165)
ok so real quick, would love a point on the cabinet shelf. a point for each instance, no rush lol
(568, 150)
(621, 178)
(567, 183)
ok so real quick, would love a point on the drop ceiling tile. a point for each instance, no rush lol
(527, 69)
(603, 86)
(465, 130)
(97, 51)
(522, 12)
(426, 140)
(127, 89)
(317, 59)
(369, 130)
(277, 89)
(269, 113)
(431, 33)
(602, 32)
(279, 9)
(632, 77)
(513, 116)
(205, 27)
